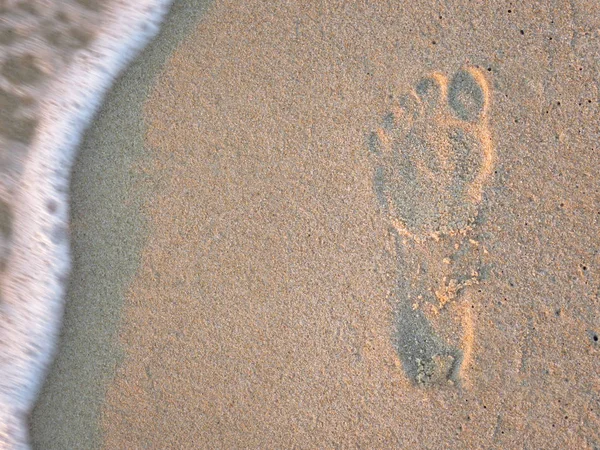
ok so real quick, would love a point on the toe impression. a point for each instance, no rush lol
(467, 95)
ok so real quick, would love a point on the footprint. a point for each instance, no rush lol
(433, 155)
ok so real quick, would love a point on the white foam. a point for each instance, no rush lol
(33, 285)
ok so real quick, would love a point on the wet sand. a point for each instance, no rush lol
(340, 225)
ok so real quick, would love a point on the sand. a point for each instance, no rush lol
(340, 225)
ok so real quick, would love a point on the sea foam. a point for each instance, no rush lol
(34, 279)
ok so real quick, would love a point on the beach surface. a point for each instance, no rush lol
(339, 225)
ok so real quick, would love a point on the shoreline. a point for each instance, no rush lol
(106, 221)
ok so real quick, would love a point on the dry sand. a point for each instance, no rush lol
(341, 225)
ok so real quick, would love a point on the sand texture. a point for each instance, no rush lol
(341, 225)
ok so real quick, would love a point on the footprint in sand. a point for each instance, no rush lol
(433, 155)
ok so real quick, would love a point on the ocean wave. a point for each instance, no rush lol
(48, 99)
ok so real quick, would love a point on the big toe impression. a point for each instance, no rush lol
(467, 95)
